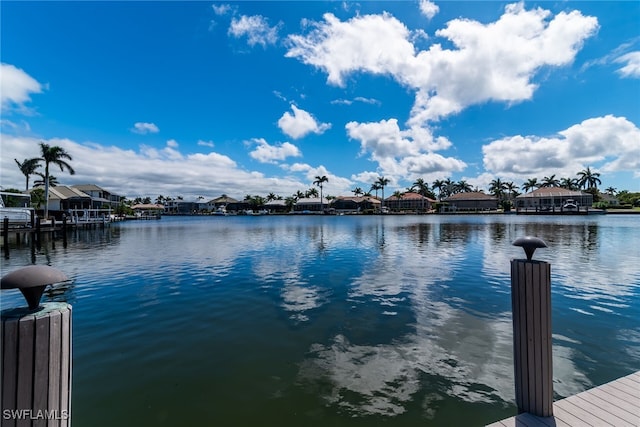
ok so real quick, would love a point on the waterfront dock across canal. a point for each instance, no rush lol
(616, 403)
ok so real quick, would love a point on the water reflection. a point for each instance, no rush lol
(384, 317)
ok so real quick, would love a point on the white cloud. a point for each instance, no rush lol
(145, 128)
(16, 87)
(489, 62)
(256, 28)
(428, 9)
(403, 153)
(371, 101)
(147, 171)
(221, 9)
(203, 143)
(266, 153)
(609, 142)
(632, 67)
(300, 123)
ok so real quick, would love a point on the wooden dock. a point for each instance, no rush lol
(616, 403)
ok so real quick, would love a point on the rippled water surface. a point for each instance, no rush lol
(352, 320)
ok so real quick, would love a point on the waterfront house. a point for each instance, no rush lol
(471, 201)
(100, 198)
(146, 210)
(307, 204)
(553, 198)
(355, 204)
(63, 198)
(276, 206)
(409, 201)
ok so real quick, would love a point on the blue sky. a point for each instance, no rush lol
(200, 99)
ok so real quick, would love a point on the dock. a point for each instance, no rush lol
(616, 403)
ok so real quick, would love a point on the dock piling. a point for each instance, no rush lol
(531, 305)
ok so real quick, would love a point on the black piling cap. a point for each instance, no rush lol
(31, 281)
(529, 244)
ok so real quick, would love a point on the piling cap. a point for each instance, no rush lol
(529, 244)
(31, 281)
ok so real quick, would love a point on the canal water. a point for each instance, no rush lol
(331, 321)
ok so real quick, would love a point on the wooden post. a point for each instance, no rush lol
(5, 236)
(36, 366)
(64, 231)
(531, 304)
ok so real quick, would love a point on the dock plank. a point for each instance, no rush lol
(616, 403)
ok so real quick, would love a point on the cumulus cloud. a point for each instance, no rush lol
(496, 61)
(428, 9)
(300, 123)
(221, 9)
(255, 28)
(145, 128)
(266, 153)
(403, 153)
(147, 171)
(609, 142)
(632, 67)
(16, 88)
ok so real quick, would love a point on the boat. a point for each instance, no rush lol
(18, 216)
(570, 205)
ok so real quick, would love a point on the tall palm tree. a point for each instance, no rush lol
(382, 182)
(375, 187)
(463, 186)
(28, 167)
(512, 190)
(57, 156)
(439, 185)
(497, 187)
(449, 187)
(319, 181)
(271, 196)
(550, 181)
(53, 180)
(531, 184)
(569, 183)
(589, 179)
(357, 191)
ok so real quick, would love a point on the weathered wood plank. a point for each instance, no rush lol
(625, 388)
(615, 397)
(26, 335)
(41, 369)
(592, 399)
(9, 360)
(570, 419)
(65, 358)
(55, 325)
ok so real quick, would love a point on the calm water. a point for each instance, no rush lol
(331, 321)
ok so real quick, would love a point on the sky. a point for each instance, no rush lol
(204, 98)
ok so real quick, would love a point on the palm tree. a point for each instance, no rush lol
(382, 182)
(497, 187)
(398, 195)
(312, 192)
(53, 155)
(53, 181)
(28, 167)
(462, 186)
(299, 195)
(512, 189)
(530, 184)
(271, 196)
(423, 189)
(569, 183)
(439, 185)
(610, 191)
(449, 187)
(588, 179)
(374, 187)
(550, 181)
(357, 191)
(319, 181)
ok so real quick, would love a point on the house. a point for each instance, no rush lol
(100, 198)
(552, 198)
(355, 204)
(308, 205)
(409, 201)
(63, 198)
(471, 201)
(276, 206)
